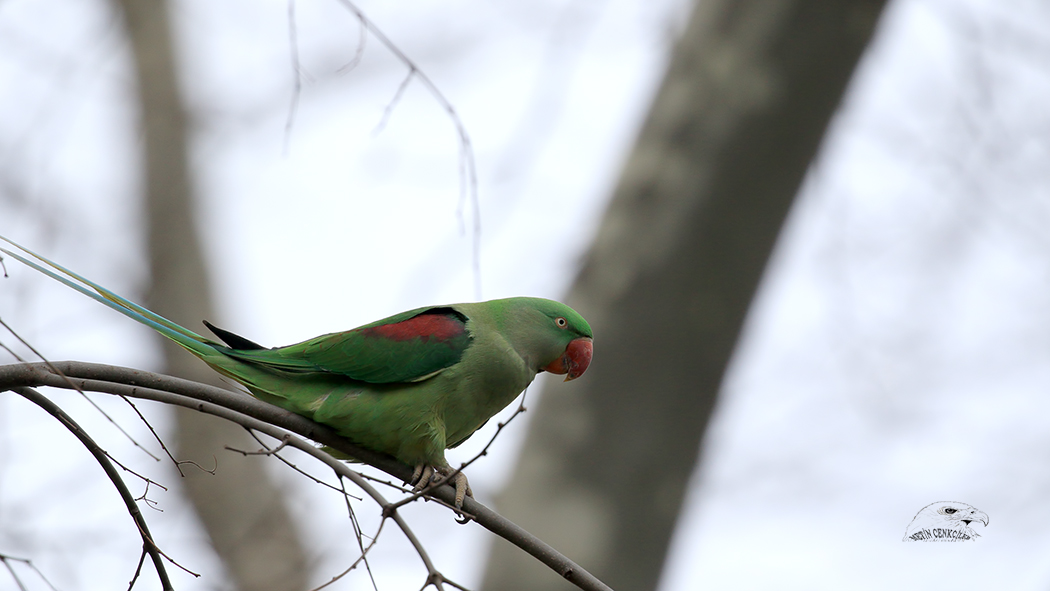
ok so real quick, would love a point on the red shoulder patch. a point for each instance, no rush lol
(439, 327)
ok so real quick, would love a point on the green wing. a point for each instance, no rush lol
(406, 347)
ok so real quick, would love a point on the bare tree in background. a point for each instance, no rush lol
(749, 93)
(239, 506)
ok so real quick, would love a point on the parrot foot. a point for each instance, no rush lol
(425, 474)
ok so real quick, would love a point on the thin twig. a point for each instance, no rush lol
(389, 110)
(287, 462)
(404, 488)
(266, 451)
(169, 558)
(297, 84)
(178, 463)
(140, 522)
(262, 452)
(467, 165)
(138, 569)
(346, 498)
(150, 502)
(12, 572)
(359, 53)
(358, 532)
(7, 560)
(85, 396)
(359, 560)
(11, 351)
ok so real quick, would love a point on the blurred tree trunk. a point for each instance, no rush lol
(240, 507)
(750, 90)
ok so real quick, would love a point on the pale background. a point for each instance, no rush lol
(899, 352)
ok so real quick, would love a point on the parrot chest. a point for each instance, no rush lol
(488, 381)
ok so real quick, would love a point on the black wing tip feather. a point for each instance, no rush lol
(234, 341)
(445, 311)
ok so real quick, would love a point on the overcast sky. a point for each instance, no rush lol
(899, 353)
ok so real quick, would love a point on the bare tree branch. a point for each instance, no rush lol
(101, 457)
(7, 560)
(297, 83)
(467, 167)
(85, 396)
(273, 421)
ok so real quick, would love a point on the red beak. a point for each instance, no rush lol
(574, 360)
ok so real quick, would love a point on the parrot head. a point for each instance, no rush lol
(554, 336)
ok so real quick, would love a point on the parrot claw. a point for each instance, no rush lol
(417, 476)
(424, 474)
(462, 489)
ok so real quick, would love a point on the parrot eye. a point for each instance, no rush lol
(949, 510)
(561, 322)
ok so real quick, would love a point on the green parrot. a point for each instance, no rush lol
(410, 385)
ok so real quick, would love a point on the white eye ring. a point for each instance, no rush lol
(561, 322)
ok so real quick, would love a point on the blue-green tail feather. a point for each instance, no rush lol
(187, 338)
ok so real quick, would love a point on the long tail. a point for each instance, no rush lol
(185, 337)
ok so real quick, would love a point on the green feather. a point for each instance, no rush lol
(409, 385)
(367, 357)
